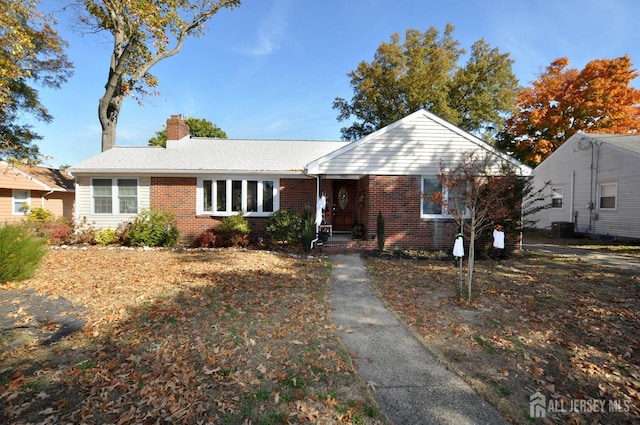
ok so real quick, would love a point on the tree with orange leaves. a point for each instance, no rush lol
(564, 101)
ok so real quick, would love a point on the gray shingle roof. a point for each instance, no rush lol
(627, 141)
(198, 155)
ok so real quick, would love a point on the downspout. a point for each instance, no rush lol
(591, 190)
(317, 196)
(596, 146)
(571, 201)
(42, 198)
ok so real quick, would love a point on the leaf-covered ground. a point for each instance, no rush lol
(557, 325)
(182, 337)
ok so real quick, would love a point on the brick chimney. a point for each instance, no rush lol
(177, 128)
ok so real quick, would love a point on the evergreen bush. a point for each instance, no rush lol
(154, 228)
(234, 230)
(20, 253)
(380, 232)
(308, 228)
(285, 226)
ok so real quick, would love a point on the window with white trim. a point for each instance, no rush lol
(114, 195)
(431, 209)
(557, 195)
(21, 201)
(608, 196)
(251, 196)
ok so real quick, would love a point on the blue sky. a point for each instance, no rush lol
(272, 68)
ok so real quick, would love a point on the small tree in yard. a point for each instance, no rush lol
(481, 191)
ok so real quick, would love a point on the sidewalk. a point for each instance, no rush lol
(408, 383)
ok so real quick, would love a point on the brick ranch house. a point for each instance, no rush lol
(203, 180)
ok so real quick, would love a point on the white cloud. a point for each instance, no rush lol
(271, 29)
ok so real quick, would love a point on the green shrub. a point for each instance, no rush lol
(308, 228)
(153, 228)
(20, 253)
(285, 226)
(105, 237)
(234, 230)
(236, 223)
(39, 215)
(380, 232)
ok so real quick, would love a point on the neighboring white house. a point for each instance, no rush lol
(594, 184)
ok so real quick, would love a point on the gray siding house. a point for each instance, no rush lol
(594, 184)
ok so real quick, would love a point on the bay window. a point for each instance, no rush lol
(229, 196)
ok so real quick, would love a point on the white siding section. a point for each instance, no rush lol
(580, 167)
(103, 221)
(413, 146)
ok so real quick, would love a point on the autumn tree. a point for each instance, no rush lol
(481, 191)
(31, 55)
(423, 72)
(564, 101)
(144, 33)
(198, 127)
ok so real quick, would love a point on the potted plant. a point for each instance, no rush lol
(324, 234)
(358, 231)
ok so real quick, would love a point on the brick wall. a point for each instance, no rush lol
(296, 193)
(178, 194)
(398, 198)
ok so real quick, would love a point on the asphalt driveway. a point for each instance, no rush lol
(603, 258)
(46, 318)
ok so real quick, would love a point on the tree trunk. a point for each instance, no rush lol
(108, 113)
(472, 251)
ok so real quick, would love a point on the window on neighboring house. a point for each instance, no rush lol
(556, 197)
(608, 195)
(228, 196)
(21, 201)
(453, 198)
(120, 193)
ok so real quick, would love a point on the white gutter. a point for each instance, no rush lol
(42, 198)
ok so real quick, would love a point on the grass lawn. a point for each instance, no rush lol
(185, 337)
(538, 322)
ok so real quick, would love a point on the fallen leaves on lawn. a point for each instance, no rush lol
(192, 337)
(537, 323)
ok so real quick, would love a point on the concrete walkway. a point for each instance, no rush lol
(408, 383)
